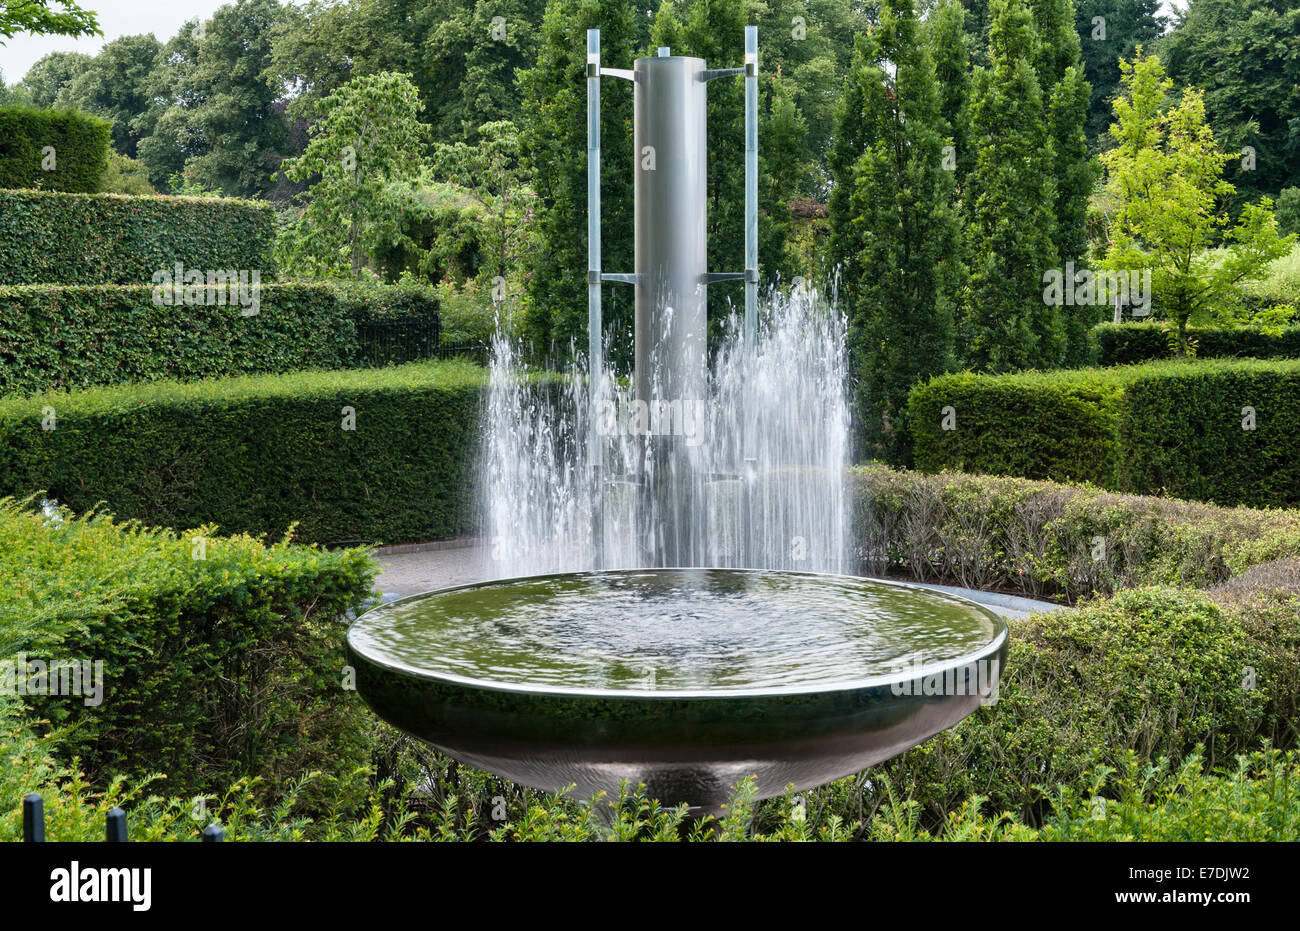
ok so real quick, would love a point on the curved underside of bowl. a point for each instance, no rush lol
(687, 747)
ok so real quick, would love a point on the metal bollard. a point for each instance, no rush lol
(33, 819)
(213, 834)
(115, 826)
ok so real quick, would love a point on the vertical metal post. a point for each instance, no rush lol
(33, 819)
(670, 195)
(751, 184)
(213, 834)
(115, 826)
(751, 280)
(596, 448)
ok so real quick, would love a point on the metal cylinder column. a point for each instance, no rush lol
(670, 191)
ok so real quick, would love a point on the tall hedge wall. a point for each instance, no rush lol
(1218, 430)
(55, 238)
(56, 336)
(77, 163)
(219, 661)
(256, 454)
(1127, 343)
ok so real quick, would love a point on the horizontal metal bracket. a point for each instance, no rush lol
(625, 73)
(710, 74)
(620, 277)
(715, 277)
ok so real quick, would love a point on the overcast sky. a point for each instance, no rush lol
(163, 18)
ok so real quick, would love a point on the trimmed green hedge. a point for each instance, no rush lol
(55, 238)
(1174, 428)
(1128, 343)
(256, 454)
(80, 157)
(1151, 673)
(1044, 539)
(74, 336)
(220, 660)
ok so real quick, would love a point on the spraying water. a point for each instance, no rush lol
(756, 470)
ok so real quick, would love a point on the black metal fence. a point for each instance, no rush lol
(114, 824)
(397, 339)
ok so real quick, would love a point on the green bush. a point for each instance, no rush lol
(1150, 673)
(1215, 430)
(1127, 343)
(126, 176)
(71, 336)
(256, 454)
(1044, 539)
(80, 146)
(1057, 425)
(221, 656)
(55, 238)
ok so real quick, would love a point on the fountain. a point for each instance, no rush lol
(669, 607)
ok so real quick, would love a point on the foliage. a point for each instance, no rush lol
(114, 85)
(79, 146)
(221, 656)
(38, 17)
(1152, 672)
(1127, 343)
(900, 210)
(370, 455)
(1241, 54)
(1010, 220)
(1127, 25)
(492, 174)
(553, 139)
(56, 238)
(75, 336)
(51, 74)
(126, 176)
(1216, 430)
(216, 108)
(1165, 177)
(368, 137)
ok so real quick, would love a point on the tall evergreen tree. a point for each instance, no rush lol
(1006, 324)
(902, 213)
(950, 48)
(1108, 31)
(554, 147)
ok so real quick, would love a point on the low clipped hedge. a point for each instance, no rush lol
(1129, 343)
(1050, 540)
(56, 238)
(1175, 428)
(1150, 673)
(257, 454)
(80, 144)
(219, 661)
(71, 336)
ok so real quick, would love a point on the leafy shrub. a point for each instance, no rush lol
(1151, 672)
(256, 454)
(221, 656)
(1126, 343)
(1057, 425)
(68, 336)
(56, 238)
(80, 143)
(1045, 539)
(1216, 430)
(126, 176)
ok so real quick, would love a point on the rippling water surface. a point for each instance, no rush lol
(674, 629)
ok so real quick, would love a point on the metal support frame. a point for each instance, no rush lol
(596, 449)
(671, 277)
